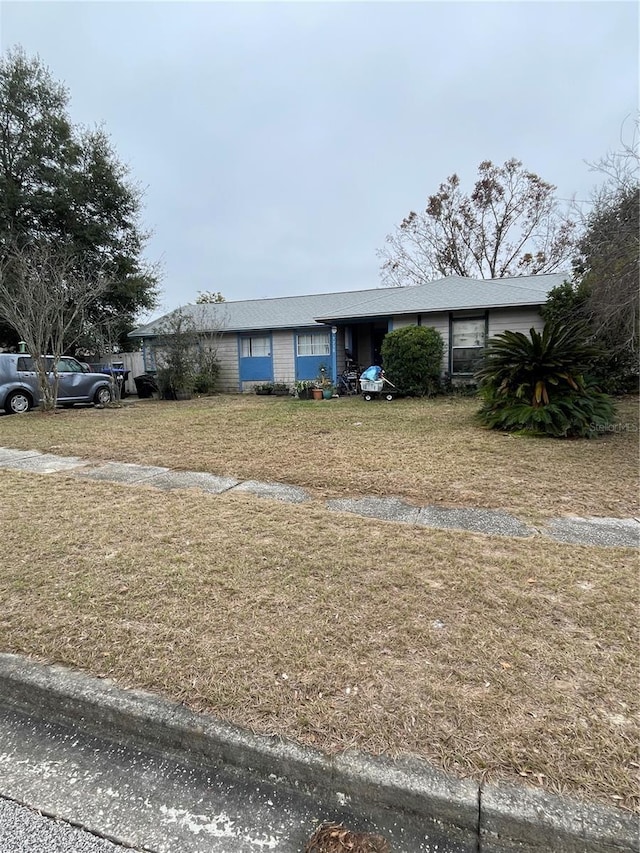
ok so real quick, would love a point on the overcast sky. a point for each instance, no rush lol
(280, 142)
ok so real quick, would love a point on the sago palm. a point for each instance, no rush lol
(536, 384)
(527, 367)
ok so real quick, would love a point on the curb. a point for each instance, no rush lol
(486, 818)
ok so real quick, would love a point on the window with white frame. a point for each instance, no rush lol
(257, 347)
(467, 344)
(313, 344)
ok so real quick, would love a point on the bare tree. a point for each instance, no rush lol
(44, 297)
(509, 225)
(186, 350)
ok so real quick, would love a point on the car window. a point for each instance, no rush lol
(69, 365)
(25, 362)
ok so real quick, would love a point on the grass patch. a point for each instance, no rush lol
(426, 451)
(492, 657)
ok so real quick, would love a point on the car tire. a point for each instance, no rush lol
(102, 396)
(17, 403)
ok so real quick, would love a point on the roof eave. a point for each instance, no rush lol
(480, 307)
(306, 324)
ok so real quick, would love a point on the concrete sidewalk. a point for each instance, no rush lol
(598, 531)
(148, 773)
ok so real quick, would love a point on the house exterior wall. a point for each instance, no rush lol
(227, 355)
(404, 320)
(514, 320)
(283, 350)
(284, 368)
(283, 343)
(517, 319)
(438, 321)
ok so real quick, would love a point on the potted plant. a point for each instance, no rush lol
(303, 389)
(323, 384)
(280, 389)
(264, 389)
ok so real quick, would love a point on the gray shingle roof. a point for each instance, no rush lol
(450, 294)
(286, 312)
(282, 312)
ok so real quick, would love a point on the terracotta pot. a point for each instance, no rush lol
(317, 393)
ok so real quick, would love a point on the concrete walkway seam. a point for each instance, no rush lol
(598, 531)
(508, 818)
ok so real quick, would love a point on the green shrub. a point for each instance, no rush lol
(175, 380)
(537, 385)
(412, 360)
(577, 414)
(207, 374)
(205, 366)
(616, 367)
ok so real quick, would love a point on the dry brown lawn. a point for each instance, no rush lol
(428, 452)
(491, 657)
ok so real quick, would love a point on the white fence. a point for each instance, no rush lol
(134, 363)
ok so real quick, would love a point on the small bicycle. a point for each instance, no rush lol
(347, 383)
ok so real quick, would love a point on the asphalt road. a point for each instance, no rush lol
(23, 830)
(150, 801)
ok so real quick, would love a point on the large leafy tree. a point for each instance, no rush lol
(63, 185)
(607, 266)
(510, 224)
(604, 289)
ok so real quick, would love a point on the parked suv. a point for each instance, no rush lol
(20, 391)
